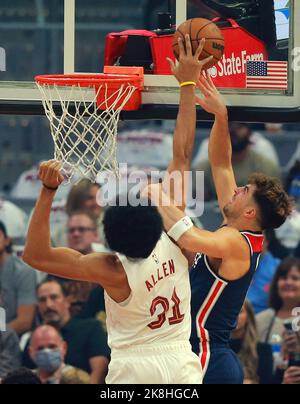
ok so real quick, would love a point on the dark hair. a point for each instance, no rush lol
(9, 248)
(21, 376)
(274, 203)
(3, 229)
(294, 171)
(239, 125)
(51, 279)
(282, 272)
(133, 231)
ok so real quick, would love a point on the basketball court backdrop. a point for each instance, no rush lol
(259, 74)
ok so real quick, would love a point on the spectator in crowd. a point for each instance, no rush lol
(292, 375)
(245, 161)
(288, 372)
(258, 143)
(288, 235)
(284, 298)
(275, 246)
(10, 355)
(75, 376)
(85, 338)
(260, 288)
(78, 294)
(82, 234)
(48, 351)
(292, 184)
(14, 219)
(95, 306)
(256, 358)
(17, 287)
(21, 376)
(82, 197)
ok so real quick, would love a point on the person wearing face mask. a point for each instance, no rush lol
(86, 340)
(245, 160)
(48, 350)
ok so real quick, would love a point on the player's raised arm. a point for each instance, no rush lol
(187, 72)
(220, 148)
(62, 262)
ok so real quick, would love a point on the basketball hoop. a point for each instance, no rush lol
(84, 112)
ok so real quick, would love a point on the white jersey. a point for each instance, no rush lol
(158, 309)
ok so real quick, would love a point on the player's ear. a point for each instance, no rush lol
(250, 213)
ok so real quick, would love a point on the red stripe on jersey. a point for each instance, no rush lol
(256, 241)
(210, 303)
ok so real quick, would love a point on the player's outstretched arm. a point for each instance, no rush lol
(220, 244)
(220, 149)
(187, 71)
(61, 262)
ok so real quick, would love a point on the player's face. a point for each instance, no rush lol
(242, 198)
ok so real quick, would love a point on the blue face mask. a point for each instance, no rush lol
(48, 360)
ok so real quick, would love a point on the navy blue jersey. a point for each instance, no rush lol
(216, 303)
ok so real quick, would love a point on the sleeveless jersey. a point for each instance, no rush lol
(216, 303)
(158, 309)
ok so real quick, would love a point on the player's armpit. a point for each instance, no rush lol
(190, 256)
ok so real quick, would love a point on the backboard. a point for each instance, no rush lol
(262, 41)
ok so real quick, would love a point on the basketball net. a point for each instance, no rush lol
(84, 125)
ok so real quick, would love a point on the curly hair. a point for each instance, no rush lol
(133, 231)
(274, 203)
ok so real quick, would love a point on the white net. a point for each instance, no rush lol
(85, 137)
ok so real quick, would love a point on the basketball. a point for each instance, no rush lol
(199, 28)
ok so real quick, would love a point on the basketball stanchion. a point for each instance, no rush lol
(84, 122)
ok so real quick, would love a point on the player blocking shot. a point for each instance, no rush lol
(146, 278)
(228, 258)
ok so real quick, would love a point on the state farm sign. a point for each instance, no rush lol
(240, 47)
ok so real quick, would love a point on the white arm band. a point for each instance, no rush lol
(180, 228)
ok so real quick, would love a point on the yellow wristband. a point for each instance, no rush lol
(188, 83)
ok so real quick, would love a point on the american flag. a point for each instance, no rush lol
(267, 75)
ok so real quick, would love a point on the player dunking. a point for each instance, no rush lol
(147, 280)
(228, 258)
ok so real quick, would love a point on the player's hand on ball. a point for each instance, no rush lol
(212, 101)
(189, 67)
(49, 174)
